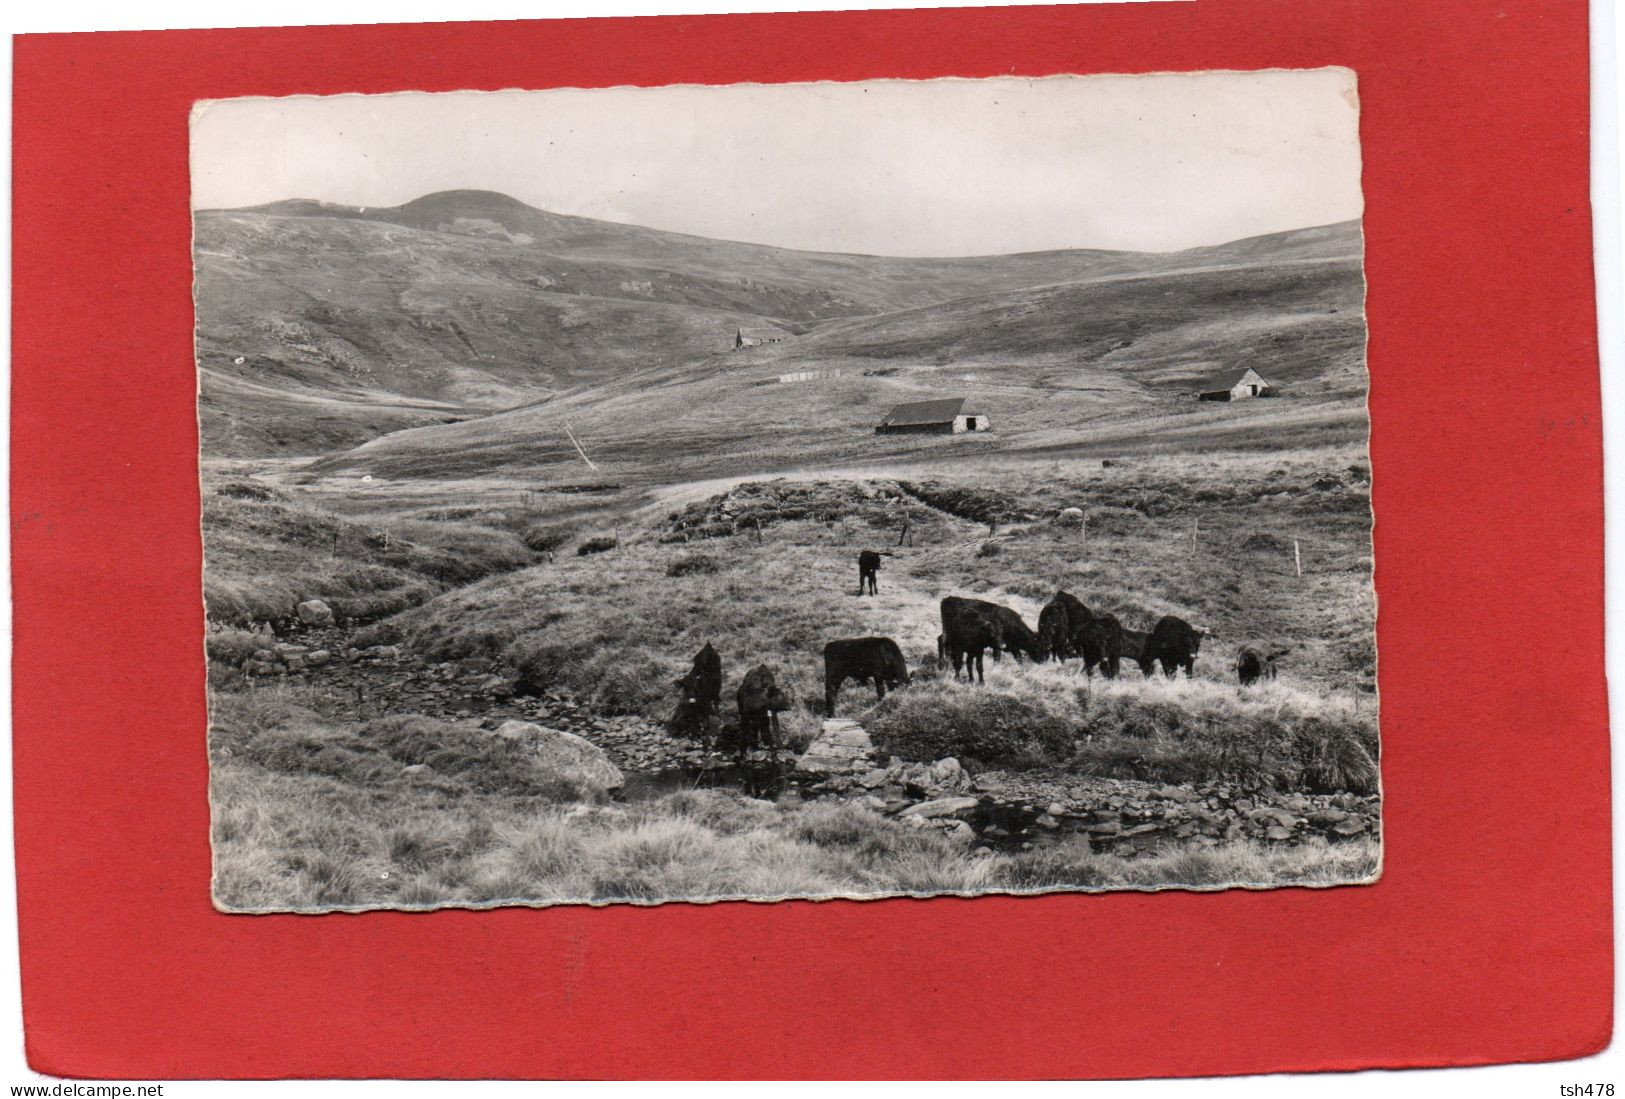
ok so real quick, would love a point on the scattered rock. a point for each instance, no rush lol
(313, 612)
(988, 782)
(941, 807)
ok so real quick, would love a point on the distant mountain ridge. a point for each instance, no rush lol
(322, 325)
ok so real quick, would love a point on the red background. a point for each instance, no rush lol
(1487, 939)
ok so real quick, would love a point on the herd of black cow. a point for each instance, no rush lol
(970, 629)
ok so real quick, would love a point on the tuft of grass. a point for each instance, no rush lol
(297, 842)
(1239, 863)
(599, 544)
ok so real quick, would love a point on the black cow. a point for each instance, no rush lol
(1173, 643)
(697, 713)
(875, 660)
(868, 566)
(970, 627)
(1256, 661)
(1055, 629)
(1078, 616)
(760, 702)
(1067, 621)
(1102, 645)
(1131, 643)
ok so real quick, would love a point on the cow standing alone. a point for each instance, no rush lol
(1256, 661)
(868, 567)
(875, 660)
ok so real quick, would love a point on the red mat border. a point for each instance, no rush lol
(1488, 938)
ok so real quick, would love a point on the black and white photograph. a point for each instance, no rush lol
(775, 492)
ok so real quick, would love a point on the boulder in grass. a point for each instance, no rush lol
(313, 612)
(1070, 517)
(841, 747)
(564, 756)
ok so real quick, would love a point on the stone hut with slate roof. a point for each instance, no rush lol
(947, 416)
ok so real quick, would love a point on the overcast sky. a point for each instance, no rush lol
(920, 168)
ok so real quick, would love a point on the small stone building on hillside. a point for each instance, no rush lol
(1229, 387)
(755, 337)
(947, 416)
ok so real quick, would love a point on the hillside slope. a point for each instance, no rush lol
(320, 326)
(1114, 359)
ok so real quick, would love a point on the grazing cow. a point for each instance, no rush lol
(1014, 636)
(760, 703)
(697, 713)
(966, 635)
(1068, 621)
(868, 566)
(1055, 630)
(970, 627)
(1102, 645)
(1131, 643)
(1256, 661)
(875, 660)
(1173, 643)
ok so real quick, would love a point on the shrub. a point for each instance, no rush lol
(977, 505)
(985, 724)
(694, 564)
(230, 646)
(599, 544)
(545, 539)
(249, 490)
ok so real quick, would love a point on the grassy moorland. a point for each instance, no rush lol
(766, 570)
(716, 503)
(267, 550)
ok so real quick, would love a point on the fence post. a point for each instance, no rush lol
(1297, 557)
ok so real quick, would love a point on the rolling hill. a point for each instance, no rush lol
(321, 326)
(1110, 363)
